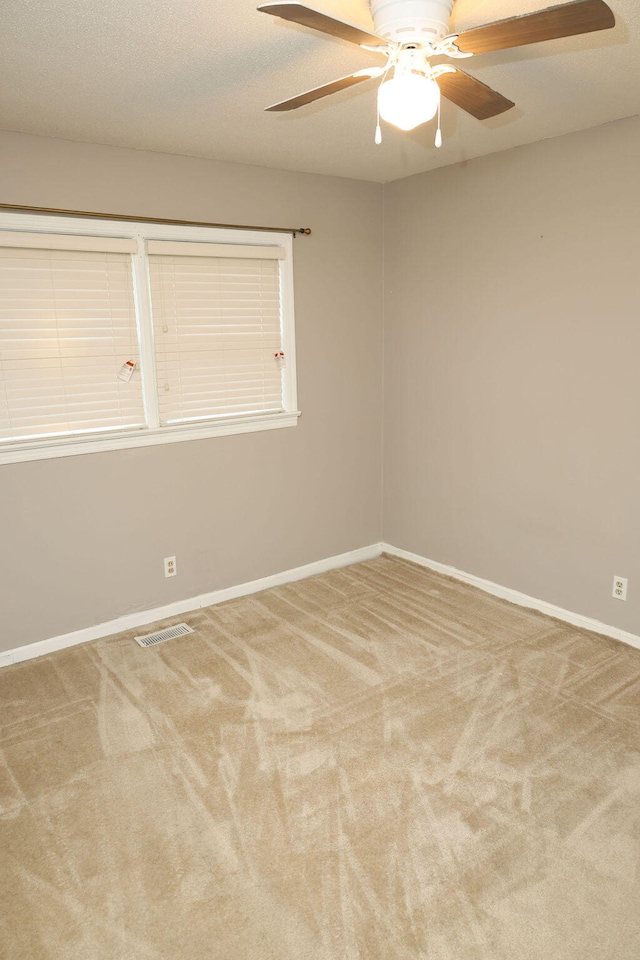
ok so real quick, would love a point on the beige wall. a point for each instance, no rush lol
(512, 447)
(512, 369)
(82, 538)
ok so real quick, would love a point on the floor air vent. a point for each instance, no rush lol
(169, 633)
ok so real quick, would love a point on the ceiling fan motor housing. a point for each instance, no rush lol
(411, 21)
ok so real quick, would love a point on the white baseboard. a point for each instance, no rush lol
(514, 596)
(42, 647)
(144, 617)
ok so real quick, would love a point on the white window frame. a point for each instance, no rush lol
(141, 232)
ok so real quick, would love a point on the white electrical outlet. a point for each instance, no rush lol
(170, 568)
(619, 588)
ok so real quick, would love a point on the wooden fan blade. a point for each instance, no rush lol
(566, 20)
(308, 17)
(326, 89)
(473, 96)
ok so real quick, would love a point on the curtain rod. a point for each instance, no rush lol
(184, 223)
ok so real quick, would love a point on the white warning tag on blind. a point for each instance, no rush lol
(126, 371)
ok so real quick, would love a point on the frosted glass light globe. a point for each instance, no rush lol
(408, 100)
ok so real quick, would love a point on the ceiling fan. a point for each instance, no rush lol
(410, 32)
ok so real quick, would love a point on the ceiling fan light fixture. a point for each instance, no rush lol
(408, 100)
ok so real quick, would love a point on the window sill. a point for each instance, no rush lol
(48, 449)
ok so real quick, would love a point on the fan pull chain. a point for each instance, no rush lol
(438, 131)
(378, 136)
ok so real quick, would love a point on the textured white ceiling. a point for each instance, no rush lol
(193, 77)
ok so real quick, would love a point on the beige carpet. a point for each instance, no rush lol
(377, 763)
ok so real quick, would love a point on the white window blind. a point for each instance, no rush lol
(202, 315)
(67, 325)
(217, 328)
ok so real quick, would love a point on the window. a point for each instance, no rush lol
(117, 334)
